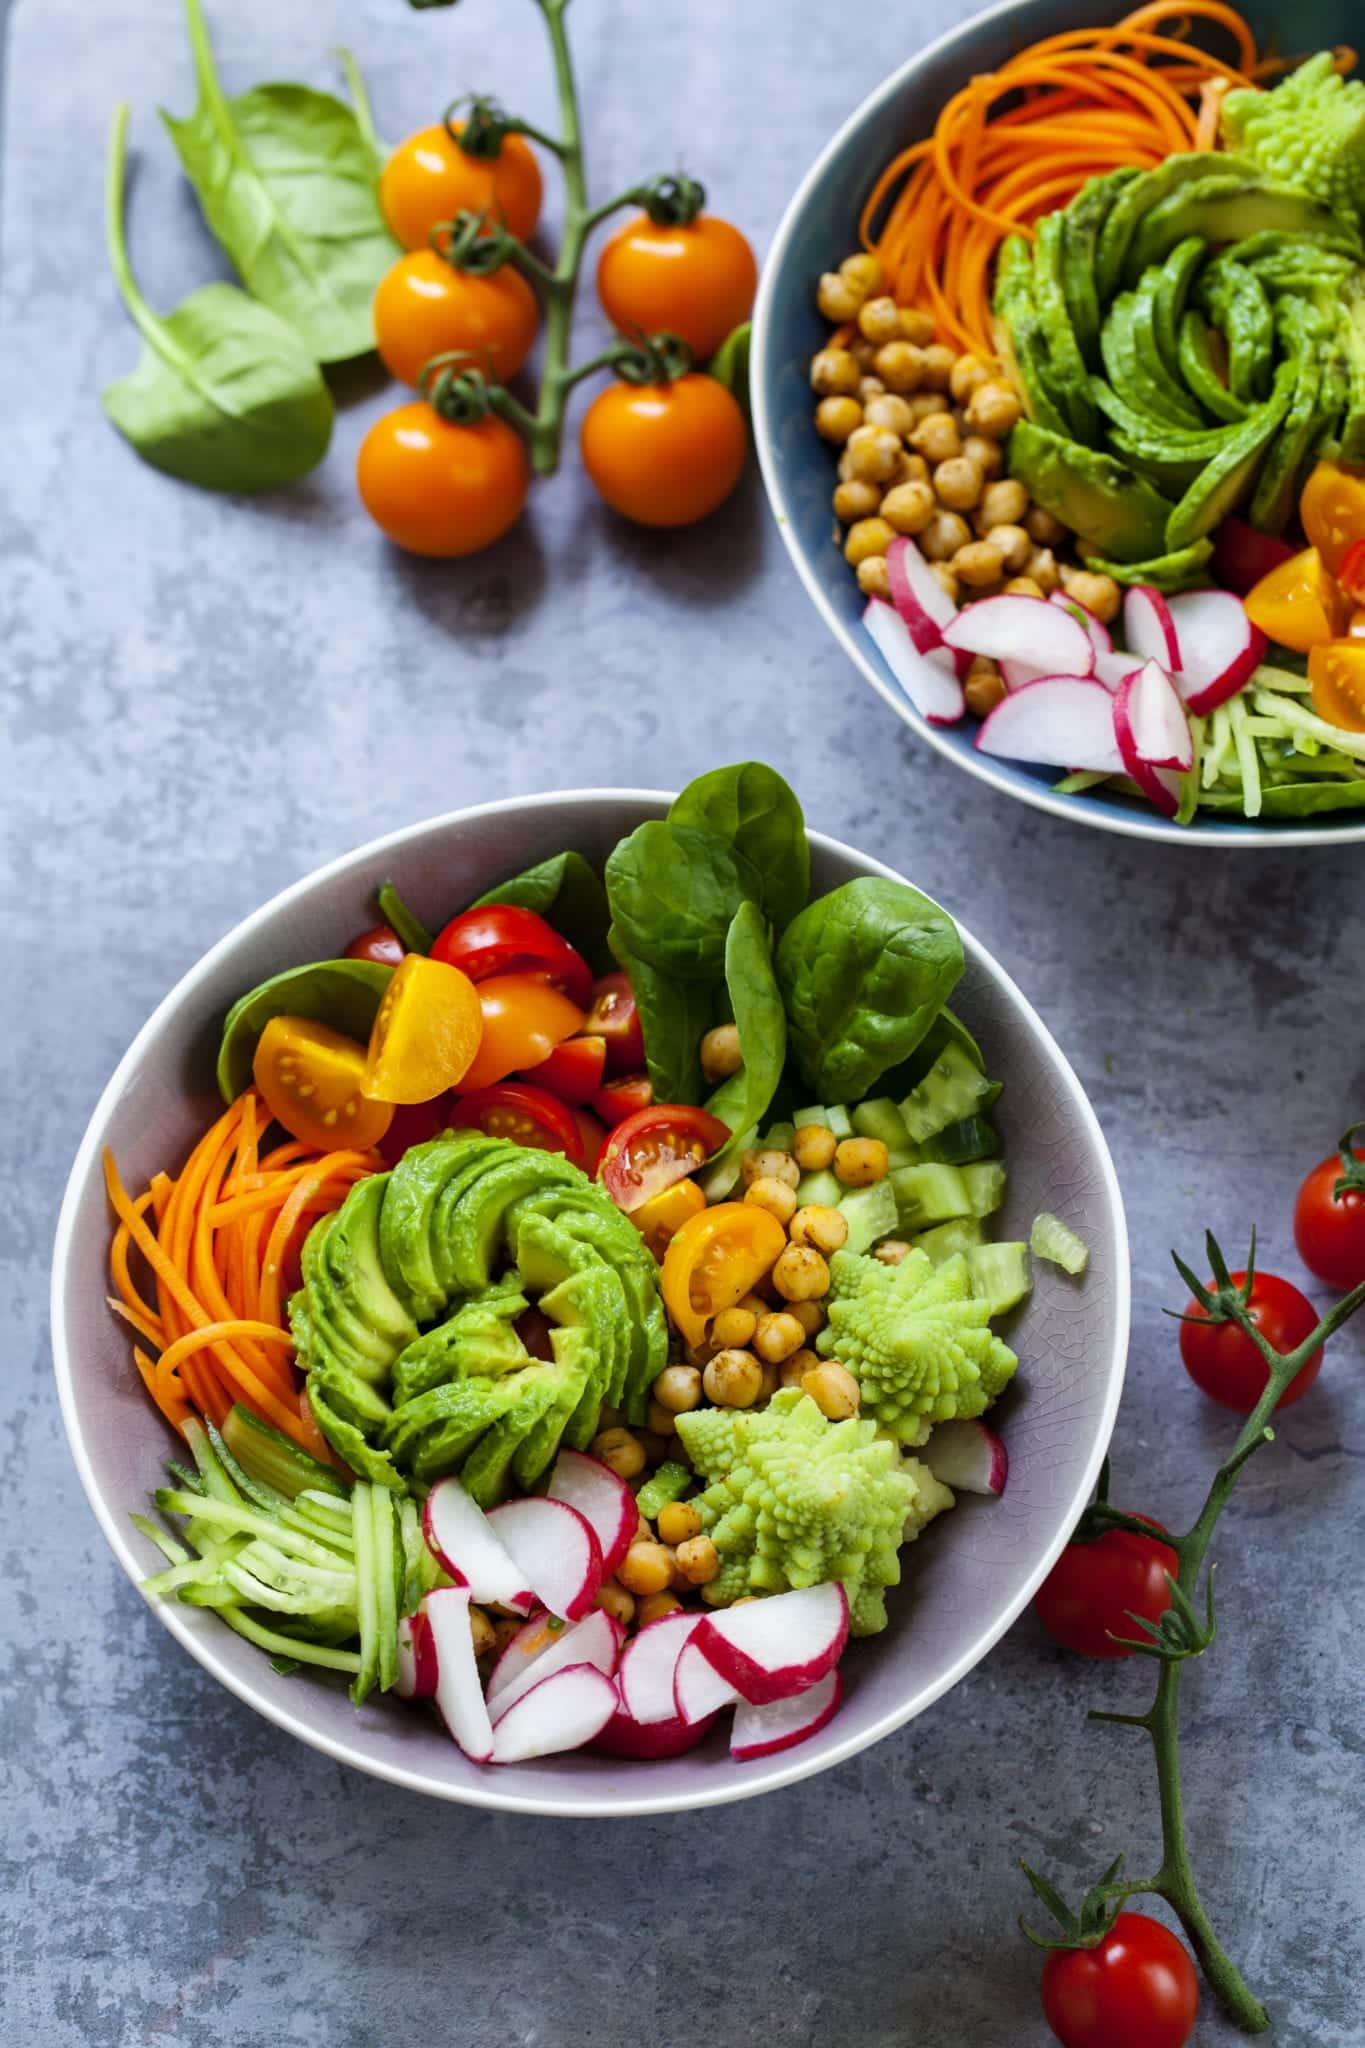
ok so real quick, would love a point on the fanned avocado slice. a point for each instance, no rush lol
(1157, 439)
(1221, 209)
(594, 1300)
(354, 1268)
(487, 1469)
(348, 1443)
(1134, 374)
(477, 1342)
(1187, 569)
(1069, 374)
(1114, 511)
(1170, 292)
(1196, 344)
(1132, 205)
(405, 1224)
(1172, 475)
(1277, 487)
(473, 1404)
(1229, 476)
(574, 1411)
(1082, 222)
(1235, 300)
(475, 1231)
(1178, 402)
(1019, 335)
(330, 1373)
(350, 1335)
(593, 1218)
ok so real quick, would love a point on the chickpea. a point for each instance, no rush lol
(733, 1328)
(925, 404)
(917, 326)
(656, 1606)
(979, 564)
(678, 1388)
(959, 484)
(1099, 594)
(697, 1561)
(838, 298)
(845, 471)
(678, 1521)
(988, 456)
(938, 365)
(1014, 545)
(943, 536)
(821, 1226)
(773, 1195)
(968, 374)
(755, 1304)
(797, 1366)
(621, 1451)
(733, 1379)
(863, 271)
(891, 1251)
(809, 1314)
(659, 1421)
(1047, 531)
(867, 537)
(870, 387)
(946, 580)
(769, 1164)
(887, 409)
(801, 1274)
(909, 507)
(900, 365)
(861, 1161)
(770, 1384)
(1002, 504)
(874, 578)
(614, 1600)
(833, 1389)
(777, 1336)
(721, 1053)
(936, 438)
(833, 373)
(483, 1631)
(1023, 586)
(913, 469)
(646, 1568)
(863, 353)
(872, 454)
(993, 409)
(879, 320)
(814, 1146)
(855, 500)
(837, 418)
(1042, 567)
(643, 1532)
(983, 691)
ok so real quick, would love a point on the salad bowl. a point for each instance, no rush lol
(966, 1582)
(817, 230)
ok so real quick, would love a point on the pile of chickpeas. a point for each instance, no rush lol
(921, 429)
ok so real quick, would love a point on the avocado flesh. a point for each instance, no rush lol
(478, 1341)
(1311, 340)
(1198, 365)
(405, 1224)
(1220, 209)
(1082, 224)
(474, 1232)
(1114, 511)
(1059, 337)
(1236, 302)
(1229, 476)
(1186, 569)
(1020, 336)
(1133, 364)
(1148, 190)
(1170, 294)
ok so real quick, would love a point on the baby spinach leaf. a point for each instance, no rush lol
(225, 394)
(864, 972)
(755, 811)
(673, 891)
(344, 994)
(567, 891)
(405, 924)
(756, 1001)
(674, 1017)
(286, 179)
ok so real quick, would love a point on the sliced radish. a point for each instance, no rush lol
(1149, 628)
(1015, 674)
(649, 1663)
(1059, 721)
(595, 1640)
(1101, 639)
(648, 1741)
(605, 1502)
(554, 1549)
(699, 1690)
(763, 1731)
(1150, 721)
(1219, 647)
(459, 1695)
(459, 1537)
(1023, 629)
(1111, 668)
(968, 1456)
(773, 1649)
(564, 1711)
(918, 595)
(932, 687)
(536, 1635)
(416, 1659)
(1242, 556)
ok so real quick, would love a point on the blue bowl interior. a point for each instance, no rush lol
(820, 229)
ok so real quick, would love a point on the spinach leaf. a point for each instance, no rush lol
(567, 891)
(1291, 799)
(863, 973)
(743, 1100)
(286, 179)
(225, 394)
(673, 891)
(342, 993)
(674, 1017)
(754, 810)
(407, 927)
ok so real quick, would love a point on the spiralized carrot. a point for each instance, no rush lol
(220, 1242)
(1016, 143)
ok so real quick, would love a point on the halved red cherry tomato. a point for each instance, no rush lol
(1135, 1989)
(1329, 1217)
(612, 1015)
(1224, 1363)
(660, 1219)
(647, 1152)
(574, 1069)
(715, 1260)
(593, 1136)
(502, 938)
(1094, 1589)
(310, 1077)
(528, 1116)
(622, 1098)
(524, 1019)
(425, 1034)
(413, 1123)
(381, 943)
(1351, 574)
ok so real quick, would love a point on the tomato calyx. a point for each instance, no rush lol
(672, 201)
(653, 359)
(483, 128)
(1352, 1179)
(1100, 1908)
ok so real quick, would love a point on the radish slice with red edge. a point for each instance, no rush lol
(1110, 669)
(1150, 722)
(650, 1741)
(649, 1663)
(764, 1731)
(459, 1695)
(1160, 785)
(1015, 674)
(931, 686)
(699, 1690)
(918, 595)
(968, 1456)
(603, 1500)
(554, 1548)
(459, 1537)
(1023, 629)
(564, 1711)
(1149, 628)
(1219, 647)
(416, 1658)
(1059, 722)
(772, 1649)
(594, 1640)
(1101, 639)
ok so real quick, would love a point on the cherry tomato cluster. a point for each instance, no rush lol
(1314, 602)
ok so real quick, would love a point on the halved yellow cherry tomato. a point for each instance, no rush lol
(1298, 603)
(715, 1259)
(426, 1033)
(1337, 675)
(524, 1019)
(1332, 508)
(310, 1077)
(661, 1218)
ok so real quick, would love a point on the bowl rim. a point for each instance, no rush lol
(484, 1792)
(1103, 815)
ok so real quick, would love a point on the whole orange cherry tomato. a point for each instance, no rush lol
(695, 280)
(436, 488)
(1336, 673)
(425, 306)
(664, 454)
(429, 178)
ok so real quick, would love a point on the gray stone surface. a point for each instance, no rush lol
(202, 700)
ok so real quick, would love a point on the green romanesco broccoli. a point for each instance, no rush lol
(916, 1339)
(792, 1499)
(1309, 132)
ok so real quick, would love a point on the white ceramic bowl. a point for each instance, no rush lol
(967, 1578)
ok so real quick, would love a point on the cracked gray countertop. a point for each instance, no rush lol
(201, 701)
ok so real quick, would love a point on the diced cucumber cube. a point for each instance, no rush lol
(973, 1137)
(929, 1194)
(880, 1118)
(808, 1116)
(1057, 1242)
(870, 1213)
(838, 1120)
(1001, 1274)
(779, 1138)
(945, 1240)
(952, 1089)
(985, 1180)
(819, 1187)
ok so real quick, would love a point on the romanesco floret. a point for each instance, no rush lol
(916, 1338)
(1309, 132)
(792, 1500)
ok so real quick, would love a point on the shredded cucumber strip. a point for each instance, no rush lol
(1248, 759)
(289, 1646)
(1297, 720)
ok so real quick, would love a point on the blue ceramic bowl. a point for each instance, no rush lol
(817, 231)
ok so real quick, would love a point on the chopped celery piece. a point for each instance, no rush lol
(985, 1180)
(952, 1089)
(820, 1187)
(945, 1240)
(974, 1137)
(870, 1213)
(880, 1118)
(669, 1483)
(1057, 1242)
(929, 1194)
(1001, 1274)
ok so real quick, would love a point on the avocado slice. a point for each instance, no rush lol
(1229, 476)
(1235, 300)
(1133, 364)
(1069, 372)
(1082, 222)
(1221, 209)
(369, 1353)
(405, 1224)
(1302, 334)
(474, 1234)
(1137, 199)
(1019, 336)
(477, 1342)
(1186, 569)
(1199, 365)
(1172, 475)
(1170, 294)
(592, 1217)
(594, 1300)
(463, 1410)
(1114, 511)
(538, 1390)
(348, 1443)
(572, 1418)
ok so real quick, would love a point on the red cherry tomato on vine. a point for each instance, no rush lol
(1225, 1364)
(1329, 1228)
(697, 282)
(647, 1152)
(425, 306)
(623, 1097)
(380, 943)
(429, 179)
(1094, 1589)
(613, 1016)
(1136, 1989)
(502, 938)
(436, 488)
(528, 1116)
(665, 454)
